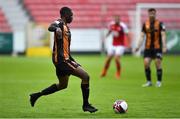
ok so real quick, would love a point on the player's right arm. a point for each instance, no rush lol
(140, 41)
(109, 32)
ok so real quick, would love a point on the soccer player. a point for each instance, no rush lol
(65, 65)
(119, 30)
(155, 45)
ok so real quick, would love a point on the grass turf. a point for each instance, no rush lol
(20, 76)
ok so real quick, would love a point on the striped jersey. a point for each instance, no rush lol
(61, 47)
(153, 34)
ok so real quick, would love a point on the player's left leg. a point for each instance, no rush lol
(110, 53)
(79, 72)
(159, 71)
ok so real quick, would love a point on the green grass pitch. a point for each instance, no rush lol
(20, 76)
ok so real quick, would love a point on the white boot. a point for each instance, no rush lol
(158, 84)
(147, 84)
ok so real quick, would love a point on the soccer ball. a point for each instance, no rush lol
(120, 106)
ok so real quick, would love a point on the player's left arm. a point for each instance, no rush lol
(128, 38)
(126, 32)
(163, 34)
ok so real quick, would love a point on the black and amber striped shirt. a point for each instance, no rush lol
(153, 34)
(61, 47)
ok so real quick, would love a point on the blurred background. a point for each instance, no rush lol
(23, 23)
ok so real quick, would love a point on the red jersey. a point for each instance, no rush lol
(118, 31)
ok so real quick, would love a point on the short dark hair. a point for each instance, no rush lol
(151, 9)
(64, 11)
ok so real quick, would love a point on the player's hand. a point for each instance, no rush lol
(73, 62)
(164, 49)
(136, 49)
(59, 33)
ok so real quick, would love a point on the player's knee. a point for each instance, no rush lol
(62, 86)
(86, 77)
(146, 64)
(109, 58)
(158, 64)
(117, 60)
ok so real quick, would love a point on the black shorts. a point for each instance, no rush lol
(153, 53)
(66, 68)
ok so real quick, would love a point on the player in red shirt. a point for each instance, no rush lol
(119, 31)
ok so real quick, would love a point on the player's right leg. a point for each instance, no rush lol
(110, 54)
(63, 83)
(147, 62)
(106, 65)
